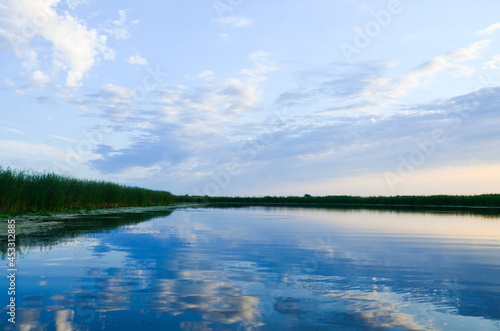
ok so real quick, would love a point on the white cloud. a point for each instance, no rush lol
(118, 28)
(426, 71)
(138, 172)
(470, 53)
(21, 152)
(39, 79)
(493, 63)
(137, 59)
(10, 148)
(237, 22)
(64, 138)
(262, 65)
(12, 130)
(204, 75)
(209, 107)
(123, 18)
(117, 94)
(459, 71)
(75, 48)
(490, 29)
(72, 4)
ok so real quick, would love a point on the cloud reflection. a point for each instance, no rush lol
(199, 273)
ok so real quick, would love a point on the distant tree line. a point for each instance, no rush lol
(484, 200)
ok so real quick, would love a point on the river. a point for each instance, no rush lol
(264, 268)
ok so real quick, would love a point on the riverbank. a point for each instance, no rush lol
(77, 213)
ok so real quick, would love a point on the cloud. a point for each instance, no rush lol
(493, 63)
(333, 88)
(123, 18)
(130, 175)
(45, 100)
(35, 156)
(237, 22)
(262, 65)
(204, 75)
(312, 148)
(175, 125)
(334, 122)
(117, 28)
(317, 148)
(137, 59)
(75, 55)
(426, 71)
(371, 88)
(64, 139)
(490, 29)
(142, 154)
(72, 4)
(39, 79)
(12, 130)
(117, 94)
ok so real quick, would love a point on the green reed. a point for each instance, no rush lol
(25, 190)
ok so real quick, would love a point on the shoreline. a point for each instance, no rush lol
(70, 214)
(77, 213)
(348, 205)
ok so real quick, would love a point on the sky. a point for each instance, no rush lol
(254, 98)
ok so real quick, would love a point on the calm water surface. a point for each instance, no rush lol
(260, 268)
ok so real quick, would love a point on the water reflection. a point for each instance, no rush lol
(267, 268)
(44, 234)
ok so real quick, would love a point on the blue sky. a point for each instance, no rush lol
(239, 97)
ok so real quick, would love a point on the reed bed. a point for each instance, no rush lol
(25, 190)
(483, 200)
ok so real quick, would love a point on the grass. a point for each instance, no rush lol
(41, 192)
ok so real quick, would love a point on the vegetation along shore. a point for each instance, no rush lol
(29, 192)
(22, 191)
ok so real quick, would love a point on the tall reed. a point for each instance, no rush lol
(24, 190)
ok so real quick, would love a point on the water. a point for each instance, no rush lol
(260, 268)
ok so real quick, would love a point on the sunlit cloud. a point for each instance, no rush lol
(117, 28)
(490, 29)
(424, 73)
(75, 55)
(204, 75)
(137, 59)
(262, 65)
(493, 63)
(237, 22)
